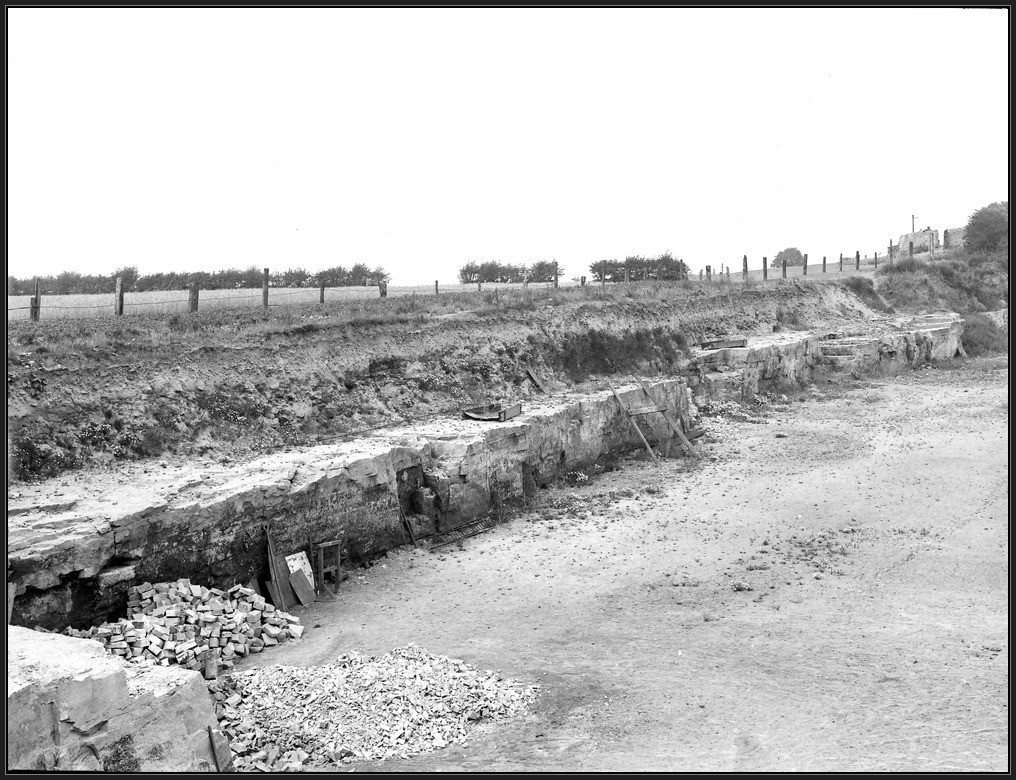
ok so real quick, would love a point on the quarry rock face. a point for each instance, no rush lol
(73, 562)
(75, 566)
(71, 706)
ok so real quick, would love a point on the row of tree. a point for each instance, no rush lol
(74, 283)
(633, 267)
(637, 268)
(493, 271)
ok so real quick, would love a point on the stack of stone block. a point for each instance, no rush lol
(200, 628)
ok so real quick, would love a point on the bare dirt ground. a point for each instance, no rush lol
(869, 520)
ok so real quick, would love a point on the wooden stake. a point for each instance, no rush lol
(264, 291)
(765, 268)
(744, 269)
(805, 264)
(193, 297)
(321, 298)
(118, 301)
(35, 304)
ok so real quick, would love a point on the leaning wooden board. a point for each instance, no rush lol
(301, 587)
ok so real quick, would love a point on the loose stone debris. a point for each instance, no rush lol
(197, 627)
(400, 704)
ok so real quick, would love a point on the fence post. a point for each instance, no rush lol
(823, 263)
(118, 301)
(765, 268)
(193, 296)
(556, 272)
(627, 274)
(699, 274)
(744, 269)
(321, 298)
(805, 264)
(382, 288)
(264, 291)
(659, 273)
(876, 260)
(435, 287)
(784, 268)
(35, 304)
(841, 261)
(582, 281)
(911, 250)
(478, 285)
(709, 273)
(857, 261)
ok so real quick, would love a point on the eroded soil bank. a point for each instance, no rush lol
(618, 597)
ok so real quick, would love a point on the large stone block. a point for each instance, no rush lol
(71, 706)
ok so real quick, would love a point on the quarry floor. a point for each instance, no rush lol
(623, 608)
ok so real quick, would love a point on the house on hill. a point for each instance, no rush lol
(924, 240)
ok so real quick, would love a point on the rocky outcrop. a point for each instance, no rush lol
(74, 565)
(743, 372)
(73, 707)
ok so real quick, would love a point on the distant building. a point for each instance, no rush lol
(953, 238)
(924, 240)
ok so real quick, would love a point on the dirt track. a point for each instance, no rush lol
(623, 608)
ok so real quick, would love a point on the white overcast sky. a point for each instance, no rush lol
(420, 139)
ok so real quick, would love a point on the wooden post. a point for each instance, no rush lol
(194, 296)
(603, 276)
(765, 268)
(823, 263)
(118, 300)
(911, 250)
(784, 268)
(627, 274)
(876, 260)
(264, 291)
(841, 261)
(556, 273)
(709, 273)
(744, 267)
(382, 289)
(659, 273)
(35, 304)
(805, 264)
(582, 281)
(857, 261)
(478, 285)
(699, 274)
(435, 287)
(321, 298)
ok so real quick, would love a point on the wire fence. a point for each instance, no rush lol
(20, 307)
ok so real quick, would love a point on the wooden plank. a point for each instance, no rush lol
(724, 343)
(12, 590)
(282, 583)
(273, 593)
(537, 381)
(301, 587)
(253, 585)
(634, 424)
(276, 572)
(648, 410)
(675, 428)
(406, 524)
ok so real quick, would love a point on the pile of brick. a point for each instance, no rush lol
(200, 628)
(396, 705)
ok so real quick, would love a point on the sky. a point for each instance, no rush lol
(185, 139)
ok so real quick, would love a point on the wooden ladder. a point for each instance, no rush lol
(653, 408)
(685, 442)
